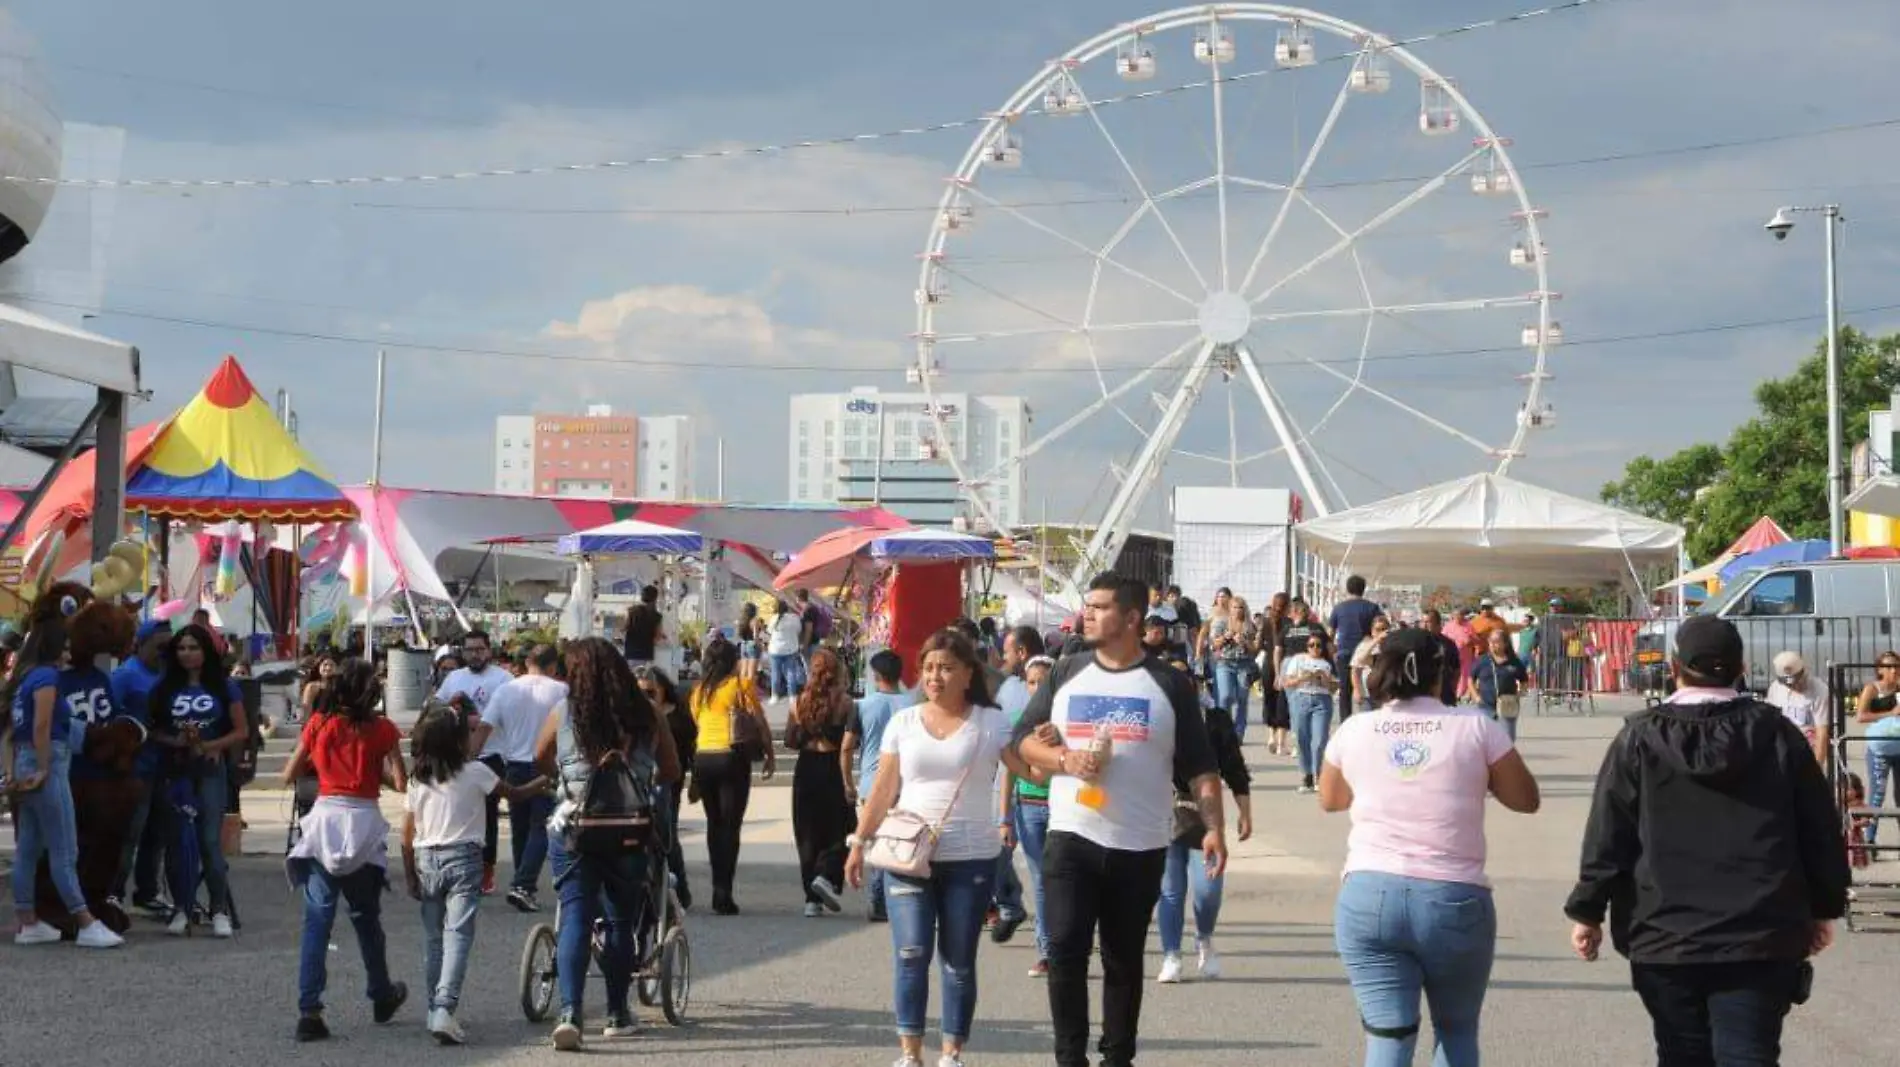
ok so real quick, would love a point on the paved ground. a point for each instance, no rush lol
(775, 988)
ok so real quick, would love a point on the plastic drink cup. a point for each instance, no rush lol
(1101, 746)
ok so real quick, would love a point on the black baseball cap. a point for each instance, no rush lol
(1156, 622)
(1711, 647)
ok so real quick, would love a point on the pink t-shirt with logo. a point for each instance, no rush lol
(1420, 774)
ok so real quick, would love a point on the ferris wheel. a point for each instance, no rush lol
(1095, 240)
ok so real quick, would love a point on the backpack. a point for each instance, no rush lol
(820, 624)
(615, 814)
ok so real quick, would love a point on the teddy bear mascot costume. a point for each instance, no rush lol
(91, 626)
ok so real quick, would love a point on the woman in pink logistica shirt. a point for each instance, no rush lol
(1415, 913)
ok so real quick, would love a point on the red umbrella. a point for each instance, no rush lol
(824, 563)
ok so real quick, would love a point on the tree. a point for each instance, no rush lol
(1774, 464)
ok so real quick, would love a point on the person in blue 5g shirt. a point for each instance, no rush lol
(198, 715)
(132, 685)
(46, 703)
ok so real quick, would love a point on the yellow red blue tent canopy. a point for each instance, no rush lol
(225, 456)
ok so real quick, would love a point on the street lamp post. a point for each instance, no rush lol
(1779, 226)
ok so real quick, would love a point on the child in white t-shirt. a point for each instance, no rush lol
(444, 825)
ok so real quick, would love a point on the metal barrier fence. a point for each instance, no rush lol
(1871, 831)
(1579, 657)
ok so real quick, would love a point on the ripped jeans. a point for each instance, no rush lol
(943, 913)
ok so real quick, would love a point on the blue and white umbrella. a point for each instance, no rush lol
(630, 537)
(914, 546)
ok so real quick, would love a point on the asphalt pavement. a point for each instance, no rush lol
(774, 988)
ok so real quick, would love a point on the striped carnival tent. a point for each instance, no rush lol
(225, 456)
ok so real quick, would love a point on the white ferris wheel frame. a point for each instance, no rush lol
(1214, 312)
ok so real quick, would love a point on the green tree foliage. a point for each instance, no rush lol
(1774, 464)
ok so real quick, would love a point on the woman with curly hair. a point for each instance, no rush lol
(821, 814)
(344, 852)
(605, 719)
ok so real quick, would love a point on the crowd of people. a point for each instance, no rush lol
(1105, 754)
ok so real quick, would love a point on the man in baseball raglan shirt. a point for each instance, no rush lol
(478, 682)
(1110, 818)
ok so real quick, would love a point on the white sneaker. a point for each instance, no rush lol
(1209, 959)
(37, 934)
(813, 911)
(220, 925)
(1170, 969)
(950, 1059)
(180, 924)
(444, 1028)
(98, 935)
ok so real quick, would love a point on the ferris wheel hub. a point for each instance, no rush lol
(1225, 318)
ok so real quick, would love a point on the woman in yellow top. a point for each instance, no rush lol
(722, 772)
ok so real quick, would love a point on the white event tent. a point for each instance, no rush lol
(1486, 529)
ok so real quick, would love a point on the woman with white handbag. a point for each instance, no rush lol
(932, 824)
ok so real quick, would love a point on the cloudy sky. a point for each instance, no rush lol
(716, 288)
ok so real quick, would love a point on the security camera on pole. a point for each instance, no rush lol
(1780, 225)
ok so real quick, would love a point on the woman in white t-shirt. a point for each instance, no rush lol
(939, 761)
(783, 650)
(1307, 679)
(444, 825)
(1415, 915)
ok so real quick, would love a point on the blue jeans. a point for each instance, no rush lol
(1009, 887)
(451, 877)
(1399, 936)
(787, 675)
(876, 882)
(1186, 873)
(1312, 723)
(44, 825)
(607, 887)
(1230, 692)
(943, 912)
(527, 828)
(209, 797)
(362, 891)
(1883, 759)
(1032, 832)
(134, 835)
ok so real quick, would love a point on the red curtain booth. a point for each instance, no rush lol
(924, 598)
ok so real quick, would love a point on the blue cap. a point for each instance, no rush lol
(150, 628)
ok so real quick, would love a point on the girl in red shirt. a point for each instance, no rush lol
(343, 853)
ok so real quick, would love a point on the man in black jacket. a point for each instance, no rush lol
(1714, 841)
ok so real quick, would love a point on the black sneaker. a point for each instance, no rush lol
(1006, 929)
(522, 900)
(385, 1009)
(878, 915)
(311, 1028)
(725, 907)
(621, 1024)
(153, 908)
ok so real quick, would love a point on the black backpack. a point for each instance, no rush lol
(615, 815)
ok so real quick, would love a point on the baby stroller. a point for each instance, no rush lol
(663, 959)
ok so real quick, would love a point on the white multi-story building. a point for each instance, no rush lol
(597, 455)
(834, 437)
(666, 458)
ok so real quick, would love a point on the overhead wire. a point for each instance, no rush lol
(481, 351)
